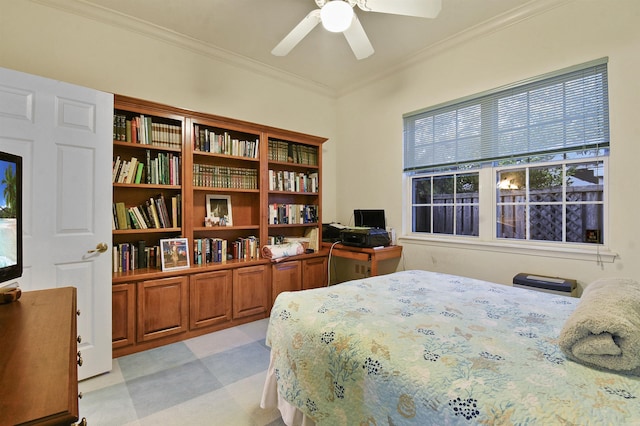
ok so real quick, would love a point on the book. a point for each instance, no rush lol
(122, 172)
(140, 218)
(142, 254)
(165, 211)
(151, 206)
(131, 170)
(116, 169)
(174, 212)
(133, 219)
(139, 173)
(121, 214)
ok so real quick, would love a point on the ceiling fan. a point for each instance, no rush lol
(338, 16)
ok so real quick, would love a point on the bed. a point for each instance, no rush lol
(417, 347)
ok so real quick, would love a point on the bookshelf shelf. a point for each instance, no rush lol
(285, 165)
(310, 194)
(145, 231)
(146, 186)
(138, 146)
(200, 158)
(222, 190)
(226, 228)
(294, 225)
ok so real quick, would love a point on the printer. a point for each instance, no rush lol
(365, 237)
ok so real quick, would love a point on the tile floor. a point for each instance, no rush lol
(215, 379)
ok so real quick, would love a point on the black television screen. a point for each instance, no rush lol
(369, 218)
(10, 217)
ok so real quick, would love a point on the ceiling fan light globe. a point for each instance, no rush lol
(336, 16)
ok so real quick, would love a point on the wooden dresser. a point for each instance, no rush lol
(39, 359)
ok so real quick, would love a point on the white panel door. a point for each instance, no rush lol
(65, 135)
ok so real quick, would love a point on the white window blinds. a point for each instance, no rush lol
(563, 111)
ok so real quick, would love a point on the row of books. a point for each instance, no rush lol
(144, 130)
(216, 250)
(132, 256)
(293, 181)
(207, 140)
(159, 168)
(282, 214)
(153, 213)
(290, 152)
(224, 177)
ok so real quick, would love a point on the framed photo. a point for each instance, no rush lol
(219, 210)
(174, 253)
(592, 236)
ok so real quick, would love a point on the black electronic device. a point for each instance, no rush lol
(365, 237)
(10, 219)
(369, 218)
(331, 232)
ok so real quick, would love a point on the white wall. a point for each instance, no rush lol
(50, 42)
(571, 34)
(54, 43)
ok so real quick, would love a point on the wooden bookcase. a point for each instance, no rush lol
(208, 156)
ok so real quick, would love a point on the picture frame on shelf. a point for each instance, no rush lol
(174, 253)
(219, 210)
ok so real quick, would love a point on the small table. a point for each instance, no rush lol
(373, 255)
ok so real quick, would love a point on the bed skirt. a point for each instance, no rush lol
(271, 399)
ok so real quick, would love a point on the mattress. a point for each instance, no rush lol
(418, 347)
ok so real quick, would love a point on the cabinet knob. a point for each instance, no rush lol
(82, 422)
(79, 359)
(79, 338)
(78, 312)
(80, 395)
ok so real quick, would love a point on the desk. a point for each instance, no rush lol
(373, 255)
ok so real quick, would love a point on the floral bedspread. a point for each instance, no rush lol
(418, 347)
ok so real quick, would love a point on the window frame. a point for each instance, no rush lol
(564, 163)
(416, 127)
(455, 205)
(487, 239)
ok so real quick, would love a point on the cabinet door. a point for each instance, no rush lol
(285, 276)
(162, 308)
(210, 298)
(251, 291)
(314, 273)
(123, 308)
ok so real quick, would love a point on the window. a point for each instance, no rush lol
(446, 204)
(540, 144)
(561, 201)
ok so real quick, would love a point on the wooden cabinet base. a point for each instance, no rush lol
(143, 346)
(169, 308)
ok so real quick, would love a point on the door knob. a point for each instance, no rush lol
(100, 248)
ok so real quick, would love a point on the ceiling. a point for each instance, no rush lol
(247, 31)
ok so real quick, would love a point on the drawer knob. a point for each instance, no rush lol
(79, 359)
(79, 338)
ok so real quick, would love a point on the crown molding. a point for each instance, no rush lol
(483, 29)
(127, 23)
(146, 29)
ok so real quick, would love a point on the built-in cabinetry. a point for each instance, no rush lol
(293, 275)
(40, 359)
(191, 166)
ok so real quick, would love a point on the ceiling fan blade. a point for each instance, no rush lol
(296, 35)
(419, 8)
(358, 40)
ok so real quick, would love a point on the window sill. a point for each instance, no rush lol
(598, 254)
